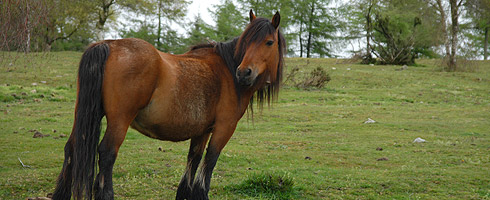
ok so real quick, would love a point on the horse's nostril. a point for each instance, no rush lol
(248, 72)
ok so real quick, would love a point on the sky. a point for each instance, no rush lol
(201, 6)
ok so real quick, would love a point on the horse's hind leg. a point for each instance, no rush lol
(63, 187)
(120, 112)
(108, 149)
(196, 150)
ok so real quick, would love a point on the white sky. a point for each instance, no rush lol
(201, 6)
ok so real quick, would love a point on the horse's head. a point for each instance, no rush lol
(261, 46)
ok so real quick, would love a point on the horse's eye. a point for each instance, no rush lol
(270, 43)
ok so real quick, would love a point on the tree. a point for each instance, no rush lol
(394, 39)
(199, 32)
(403, 31)
(450, 33)
(315, 27)
(168, 12)
(110, 9)
(359, 16)
(41, 23)
(229, 21)
(478, 11)
(143, 30)
(22, 24)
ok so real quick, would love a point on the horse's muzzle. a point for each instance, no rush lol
(245, 77)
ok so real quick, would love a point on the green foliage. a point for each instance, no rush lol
(200, 32)
(403, 31)
(143, 31)
(315, 27)
(478, 32)
(229, 21)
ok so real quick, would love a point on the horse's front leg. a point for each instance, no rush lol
(219, 138)
(196, 150)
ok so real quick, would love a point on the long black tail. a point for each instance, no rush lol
(88, 115)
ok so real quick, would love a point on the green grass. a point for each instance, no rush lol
(315, 138)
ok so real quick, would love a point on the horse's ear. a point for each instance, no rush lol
(252, 15)
(276, 20)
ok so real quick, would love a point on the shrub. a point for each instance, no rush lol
(315, 79)
(267, 185)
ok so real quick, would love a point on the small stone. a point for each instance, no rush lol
(160, 149)
(43, 82)
(62, 135)
(168, 165)
(369, 121)
(34, 91)
(34, 84)
(249, 168)
(24, 93)
(382, 159)
(15, 132)
(418, 140)
(307, 158)
(42, 96)
(379, 149)
(38, 134)
(54, 130)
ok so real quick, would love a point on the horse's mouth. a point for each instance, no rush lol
(246, 82)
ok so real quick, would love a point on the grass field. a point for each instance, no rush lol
(315, 139)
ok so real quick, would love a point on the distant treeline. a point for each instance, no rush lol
(382, 31)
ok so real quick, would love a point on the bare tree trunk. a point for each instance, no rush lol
(103, 16)
(300, 40)
(159, 31)
(485, 45)
(368, 29)
(455, 5)
(440, 8)
(310, 27)
(28, 29)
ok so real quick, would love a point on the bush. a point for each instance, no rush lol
(267, 185)
(315, 79)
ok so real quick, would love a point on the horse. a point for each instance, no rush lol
(199, 95)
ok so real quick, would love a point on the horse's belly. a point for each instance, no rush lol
(170, 125)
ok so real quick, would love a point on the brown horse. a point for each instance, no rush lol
(200, 95)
